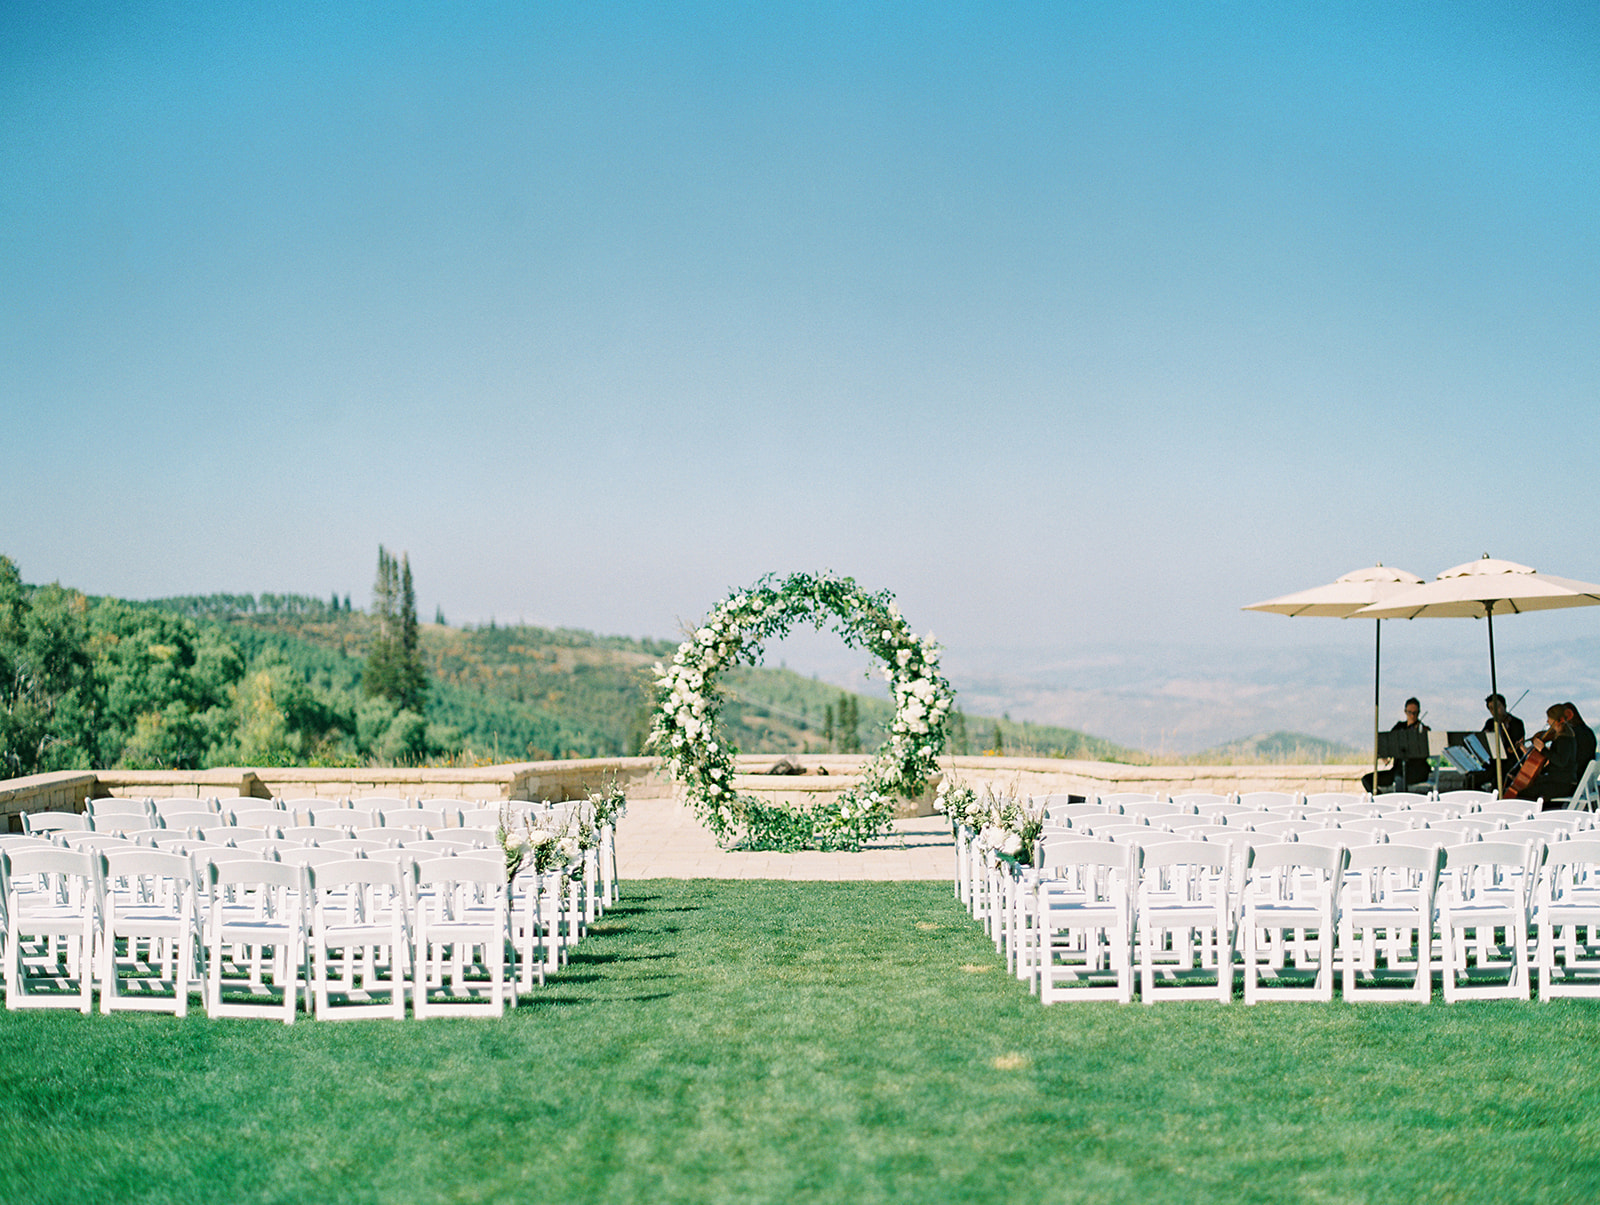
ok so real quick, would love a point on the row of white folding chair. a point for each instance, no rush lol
(254, 902)
(1487, 885)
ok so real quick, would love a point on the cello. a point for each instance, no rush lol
(1528, 768)
(1537, 756)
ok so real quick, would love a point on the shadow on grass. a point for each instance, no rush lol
(581, 957)
(537, 1001)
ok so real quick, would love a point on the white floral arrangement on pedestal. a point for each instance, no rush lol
(684, 732)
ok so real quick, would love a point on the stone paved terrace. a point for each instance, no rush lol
(662, 839)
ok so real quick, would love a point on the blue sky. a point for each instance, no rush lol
(1076, 325)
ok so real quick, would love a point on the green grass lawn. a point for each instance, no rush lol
(776, 1041)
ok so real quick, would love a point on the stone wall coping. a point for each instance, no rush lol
(644, 777)
(55, 780)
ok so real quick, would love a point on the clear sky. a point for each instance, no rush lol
(1076, 325)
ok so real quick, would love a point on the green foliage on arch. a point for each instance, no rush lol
(685, 733)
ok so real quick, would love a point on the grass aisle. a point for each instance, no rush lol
(718, 1040)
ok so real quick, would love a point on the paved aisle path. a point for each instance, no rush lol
(662, 839)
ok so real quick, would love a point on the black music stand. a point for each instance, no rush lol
(1403, 744)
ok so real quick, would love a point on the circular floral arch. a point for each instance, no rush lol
(685, 733)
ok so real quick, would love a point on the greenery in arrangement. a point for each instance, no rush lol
(807, 1042)
(545, 842)
(1008, 824)
(685, 730)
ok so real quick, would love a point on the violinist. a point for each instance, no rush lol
(1555, 751)
(1512, 733)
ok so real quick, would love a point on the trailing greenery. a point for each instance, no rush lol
(807, 1042)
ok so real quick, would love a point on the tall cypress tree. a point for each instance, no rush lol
(394, 664)
(412, 679)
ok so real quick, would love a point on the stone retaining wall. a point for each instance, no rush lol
(554, 780)
(642, 778)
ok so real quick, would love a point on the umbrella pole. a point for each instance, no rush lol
(1494, 688)
(1377, 673)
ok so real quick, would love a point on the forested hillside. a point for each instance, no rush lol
(238, 679)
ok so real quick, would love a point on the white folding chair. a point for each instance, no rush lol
(1509, 810)
(119, 805)
(1586, 795)
(479, 817)
(1548, 826)
(1403, 799)
(183, 803)
(427, 818)
(1337, 801)
(1120, 800)
(1156, 809)
(260, 815)
(1386, 922)
(52, 914)
(1567, 902)
(256, 905)
(1290, 888)
(1279, 830)
(359, 908)
(1250, 817)
(536, 901)
(1084, 922)
(1471, 800)
(151, 932)
(1486, 889)
(1200, 800)
(333, 816)
(34, 823)
(1373, 828)
(1183, 922)
(462, 906)
(303, 808)
(1270, 801)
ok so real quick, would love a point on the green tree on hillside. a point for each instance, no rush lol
(847, 724)
(47, 695)
(394, 665)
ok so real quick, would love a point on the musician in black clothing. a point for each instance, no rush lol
(1406, 770)
(1512, 731)
(1559, 775)
(1583, 734)
(1512, 734)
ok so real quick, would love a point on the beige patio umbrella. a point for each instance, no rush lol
(1479, 589)
(1341, 599)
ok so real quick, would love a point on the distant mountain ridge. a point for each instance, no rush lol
(524, 691)
(1280, 748)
